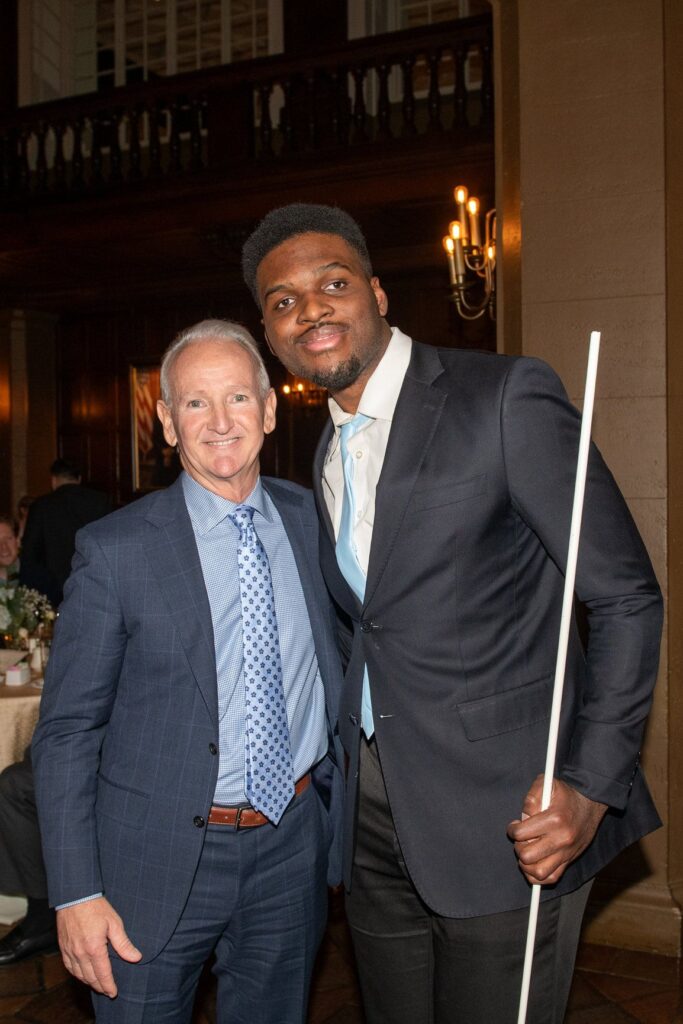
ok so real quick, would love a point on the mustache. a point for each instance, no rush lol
(324, 323)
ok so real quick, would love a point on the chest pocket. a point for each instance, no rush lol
(448, 494)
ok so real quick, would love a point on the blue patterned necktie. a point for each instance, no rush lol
(347, 558)
(269, 772)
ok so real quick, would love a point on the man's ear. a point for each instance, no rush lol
(164, 414)
(269, 416)
(380, 296)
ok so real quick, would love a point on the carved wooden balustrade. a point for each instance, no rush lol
(374, 92)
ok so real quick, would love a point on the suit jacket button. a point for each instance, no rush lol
(213, 749)
(365, 625)
(198, 821)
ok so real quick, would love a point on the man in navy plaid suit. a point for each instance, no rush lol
(154, 855)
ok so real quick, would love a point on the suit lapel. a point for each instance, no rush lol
(415, 420)
(174, 562)
(301, 526)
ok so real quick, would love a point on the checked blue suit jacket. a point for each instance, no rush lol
(125, 750)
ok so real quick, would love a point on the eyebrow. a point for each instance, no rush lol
(335, 265)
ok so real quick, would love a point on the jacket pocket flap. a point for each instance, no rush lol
(127, 806)
(507, 711)
(449, 494)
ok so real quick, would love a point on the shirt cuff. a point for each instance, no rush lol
(84, 899)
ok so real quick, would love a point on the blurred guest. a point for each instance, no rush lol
(9, 550)
(21, 865)
(53, 520)
(23, 506)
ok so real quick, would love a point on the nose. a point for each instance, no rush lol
(315, 307)
(220, 419)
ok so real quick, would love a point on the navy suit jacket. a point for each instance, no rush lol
(460, 621)
(125, 749)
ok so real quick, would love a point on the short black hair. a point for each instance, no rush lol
(285, 222)
(62, 467)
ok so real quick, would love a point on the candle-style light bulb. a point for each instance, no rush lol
(449, 246)
(454, 249)
(286, 389)
(460, 193)
(473, 211)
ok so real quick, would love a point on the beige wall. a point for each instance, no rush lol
(591, 214)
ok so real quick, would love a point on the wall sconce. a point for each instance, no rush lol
(471, 264)
(302, 392)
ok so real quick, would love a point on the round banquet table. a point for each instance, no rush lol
(18, 716)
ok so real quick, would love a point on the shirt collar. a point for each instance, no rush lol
(207, 510)
(381, 392)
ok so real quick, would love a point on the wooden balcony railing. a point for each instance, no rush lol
(371, 92)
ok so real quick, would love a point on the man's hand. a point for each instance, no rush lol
(547, 841)
(83, 931)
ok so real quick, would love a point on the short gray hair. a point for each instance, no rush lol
(212, 330)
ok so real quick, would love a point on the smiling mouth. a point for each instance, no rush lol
(223, 443)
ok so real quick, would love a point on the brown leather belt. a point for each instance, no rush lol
(247, 817)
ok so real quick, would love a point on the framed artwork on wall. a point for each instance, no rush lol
(155, 463)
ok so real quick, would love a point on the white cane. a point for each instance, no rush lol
(567, 608)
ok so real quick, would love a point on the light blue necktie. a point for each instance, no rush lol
(347, 558)
(269, 783)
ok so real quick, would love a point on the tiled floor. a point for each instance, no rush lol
(611, 986)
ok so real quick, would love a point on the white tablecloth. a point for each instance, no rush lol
(18, 716)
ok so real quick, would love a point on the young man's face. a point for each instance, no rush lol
(323, 318)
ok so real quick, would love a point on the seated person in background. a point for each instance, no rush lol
(9, 551)
(53, 521)
(21, 865)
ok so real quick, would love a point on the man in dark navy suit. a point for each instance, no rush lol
(444, 483)
(186, 771)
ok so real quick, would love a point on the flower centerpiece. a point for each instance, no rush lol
(22, 612)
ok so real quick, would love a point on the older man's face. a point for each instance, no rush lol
(9, 546)
(218, 418)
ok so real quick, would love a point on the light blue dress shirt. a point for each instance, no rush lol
(217, 539)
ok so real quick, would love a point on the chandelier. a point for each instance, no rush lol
(471, 261)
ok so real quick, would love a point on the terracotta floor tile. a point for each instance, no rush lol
(584, 993)
(607, 1014)
(646, 965)
(65, 1004)
(347, 1015)
(621, 990)
(10, 1004)
(22, 978)
(595, 958)
(324, 1006)
(664, 1008)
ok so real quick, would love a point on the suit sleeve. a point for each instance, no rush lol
(80, 689)
(615, 581)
